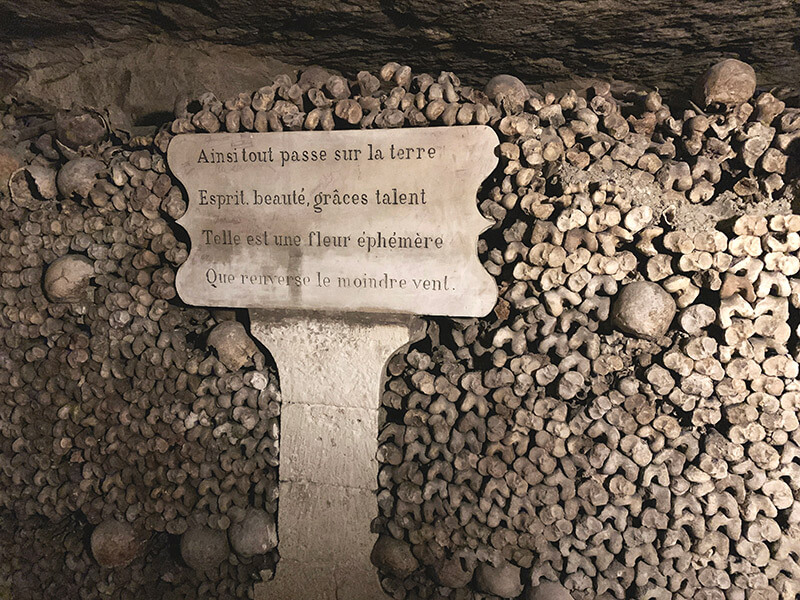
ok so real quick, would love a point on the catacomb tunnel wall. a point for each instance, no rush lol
(98, 52)
(622, 424)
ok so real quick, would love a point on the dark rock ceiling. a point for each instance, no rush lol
(663, 43)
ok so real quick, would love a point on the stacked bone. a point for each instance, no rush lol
(622, 423)
(124, 412)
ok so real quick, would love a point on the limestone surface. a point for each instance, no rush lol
(225, 44)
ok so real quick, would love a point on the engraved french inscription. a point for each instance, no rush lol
(353, 221)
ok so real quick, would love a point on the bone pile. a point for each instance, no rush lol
(146, 428)
(623, 424)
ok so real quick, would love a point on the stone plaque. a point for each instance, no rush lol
(379, 221)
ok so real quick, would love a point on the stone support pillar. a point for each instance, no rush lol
(331, 370)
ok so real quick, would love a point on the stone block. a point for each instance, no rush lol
(329, 361)
(326, 523)
(329, 444)
(304, 580)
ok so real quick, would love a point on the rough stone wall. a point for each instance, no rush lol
(128, 76)
(657, 43)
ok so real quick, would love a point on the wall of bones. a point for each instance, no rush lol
(623, 424)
